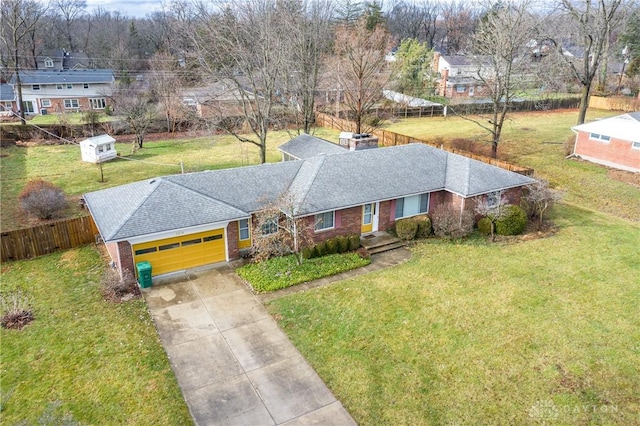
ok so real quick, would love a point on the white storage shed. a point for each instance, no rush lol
(98, 149)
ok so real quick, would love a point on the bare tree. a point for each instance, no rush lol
(541, 198)
(165, 88)
(361, 67)
(593, 22)
(414, 19)
(278, 230)
(19, 21)
(136, 110)
(309, 42)
(70, 11)
(503, 60)
(458, 19)
(243, 47)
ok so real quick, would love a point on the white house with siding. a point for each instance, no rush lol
(55, 91)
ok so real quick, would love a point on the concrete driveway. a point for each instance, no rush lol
(233, 363)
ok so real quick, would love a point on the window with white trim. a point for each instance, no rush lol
(270, 226)
(85, 85)
(6, 106)
(411, 206)
(461, 88)
(46, 103)
(493, 199)
(243, 228)
(635, 145)
(69, 86)
(35, 87)
(59, 86)
(98, 103)
(599, 137)
(71, 103)
(324, 221)
(48, 63)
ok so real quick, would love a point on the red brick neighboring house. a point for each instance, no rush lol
(185, 221)
(612, 142)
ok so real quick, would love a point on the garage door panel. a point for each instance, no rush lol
(183, 252)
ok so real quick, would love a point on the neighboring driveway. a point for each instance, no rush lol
(233, 363)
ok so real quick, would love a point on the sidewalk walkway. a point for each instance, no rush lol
(233, 363)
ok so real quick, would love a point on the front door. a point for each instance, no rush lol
(369, 218)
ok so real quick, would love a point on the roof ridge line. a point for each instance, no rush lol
(127, 217)
(204, 195)
(317, 162)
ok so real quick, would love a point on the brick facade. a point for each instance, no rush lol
(232, 240)
(616, 153)
(126, 257)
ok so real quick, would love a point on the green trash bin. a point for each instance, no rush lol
(144, 274)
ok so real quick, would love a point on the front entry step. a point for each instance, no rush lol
(379, 242)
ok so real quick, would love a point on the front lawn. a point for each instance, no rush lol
(282, 272)
(543, 331)
(83, 360)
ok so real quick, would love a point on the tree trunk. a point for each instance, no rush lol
(584, 102)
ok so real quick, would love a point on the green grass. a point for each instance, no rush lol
(61, 165)
(479, 333)
(282, 272)
(536, 140)
(83, 359)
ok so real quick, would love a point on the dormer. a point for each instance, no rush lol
(48, 62)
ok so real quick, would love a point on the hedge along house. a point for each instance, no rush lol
(184, 221)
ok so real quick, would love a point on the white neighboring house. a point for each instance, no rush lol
(54, 91)
(98, 149)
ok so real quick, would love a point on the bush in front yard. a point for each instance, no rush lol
(332, 246)
(308, 252)
(512, 222)
(451, 223)
(424, 226)
(16, 309)
(484, 226)
(354, 242)
(320, 250)
(343, 244)
(42, 199)
(406, 229)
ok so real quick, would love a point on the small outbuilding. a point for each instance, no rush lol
(98, 149)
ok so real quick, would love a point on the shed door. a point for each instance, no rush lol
(183, 252)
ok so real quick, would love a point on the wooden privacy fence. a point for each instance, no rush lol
(615, 103)
(387, 138)
(43, 239)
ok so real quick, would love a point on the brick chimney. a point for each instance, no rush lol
(442, 90)
(436, 61)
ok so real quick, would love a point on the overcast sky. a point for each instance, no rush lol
(137, 8)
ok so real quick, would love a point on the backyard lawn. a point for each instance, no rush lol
(61, 165)
(83, 360)
(537, 140)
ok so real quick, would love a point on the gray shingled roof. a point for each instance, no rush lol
(65, 76)
(307, 146)
(322, 183)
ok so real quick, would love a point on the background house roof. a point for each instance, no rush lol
(65, 76)
(307, 146)
(98, 140)
(625, 127)
(321, 183)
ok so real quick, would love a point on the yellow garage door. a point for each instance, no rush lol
(185, 251)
